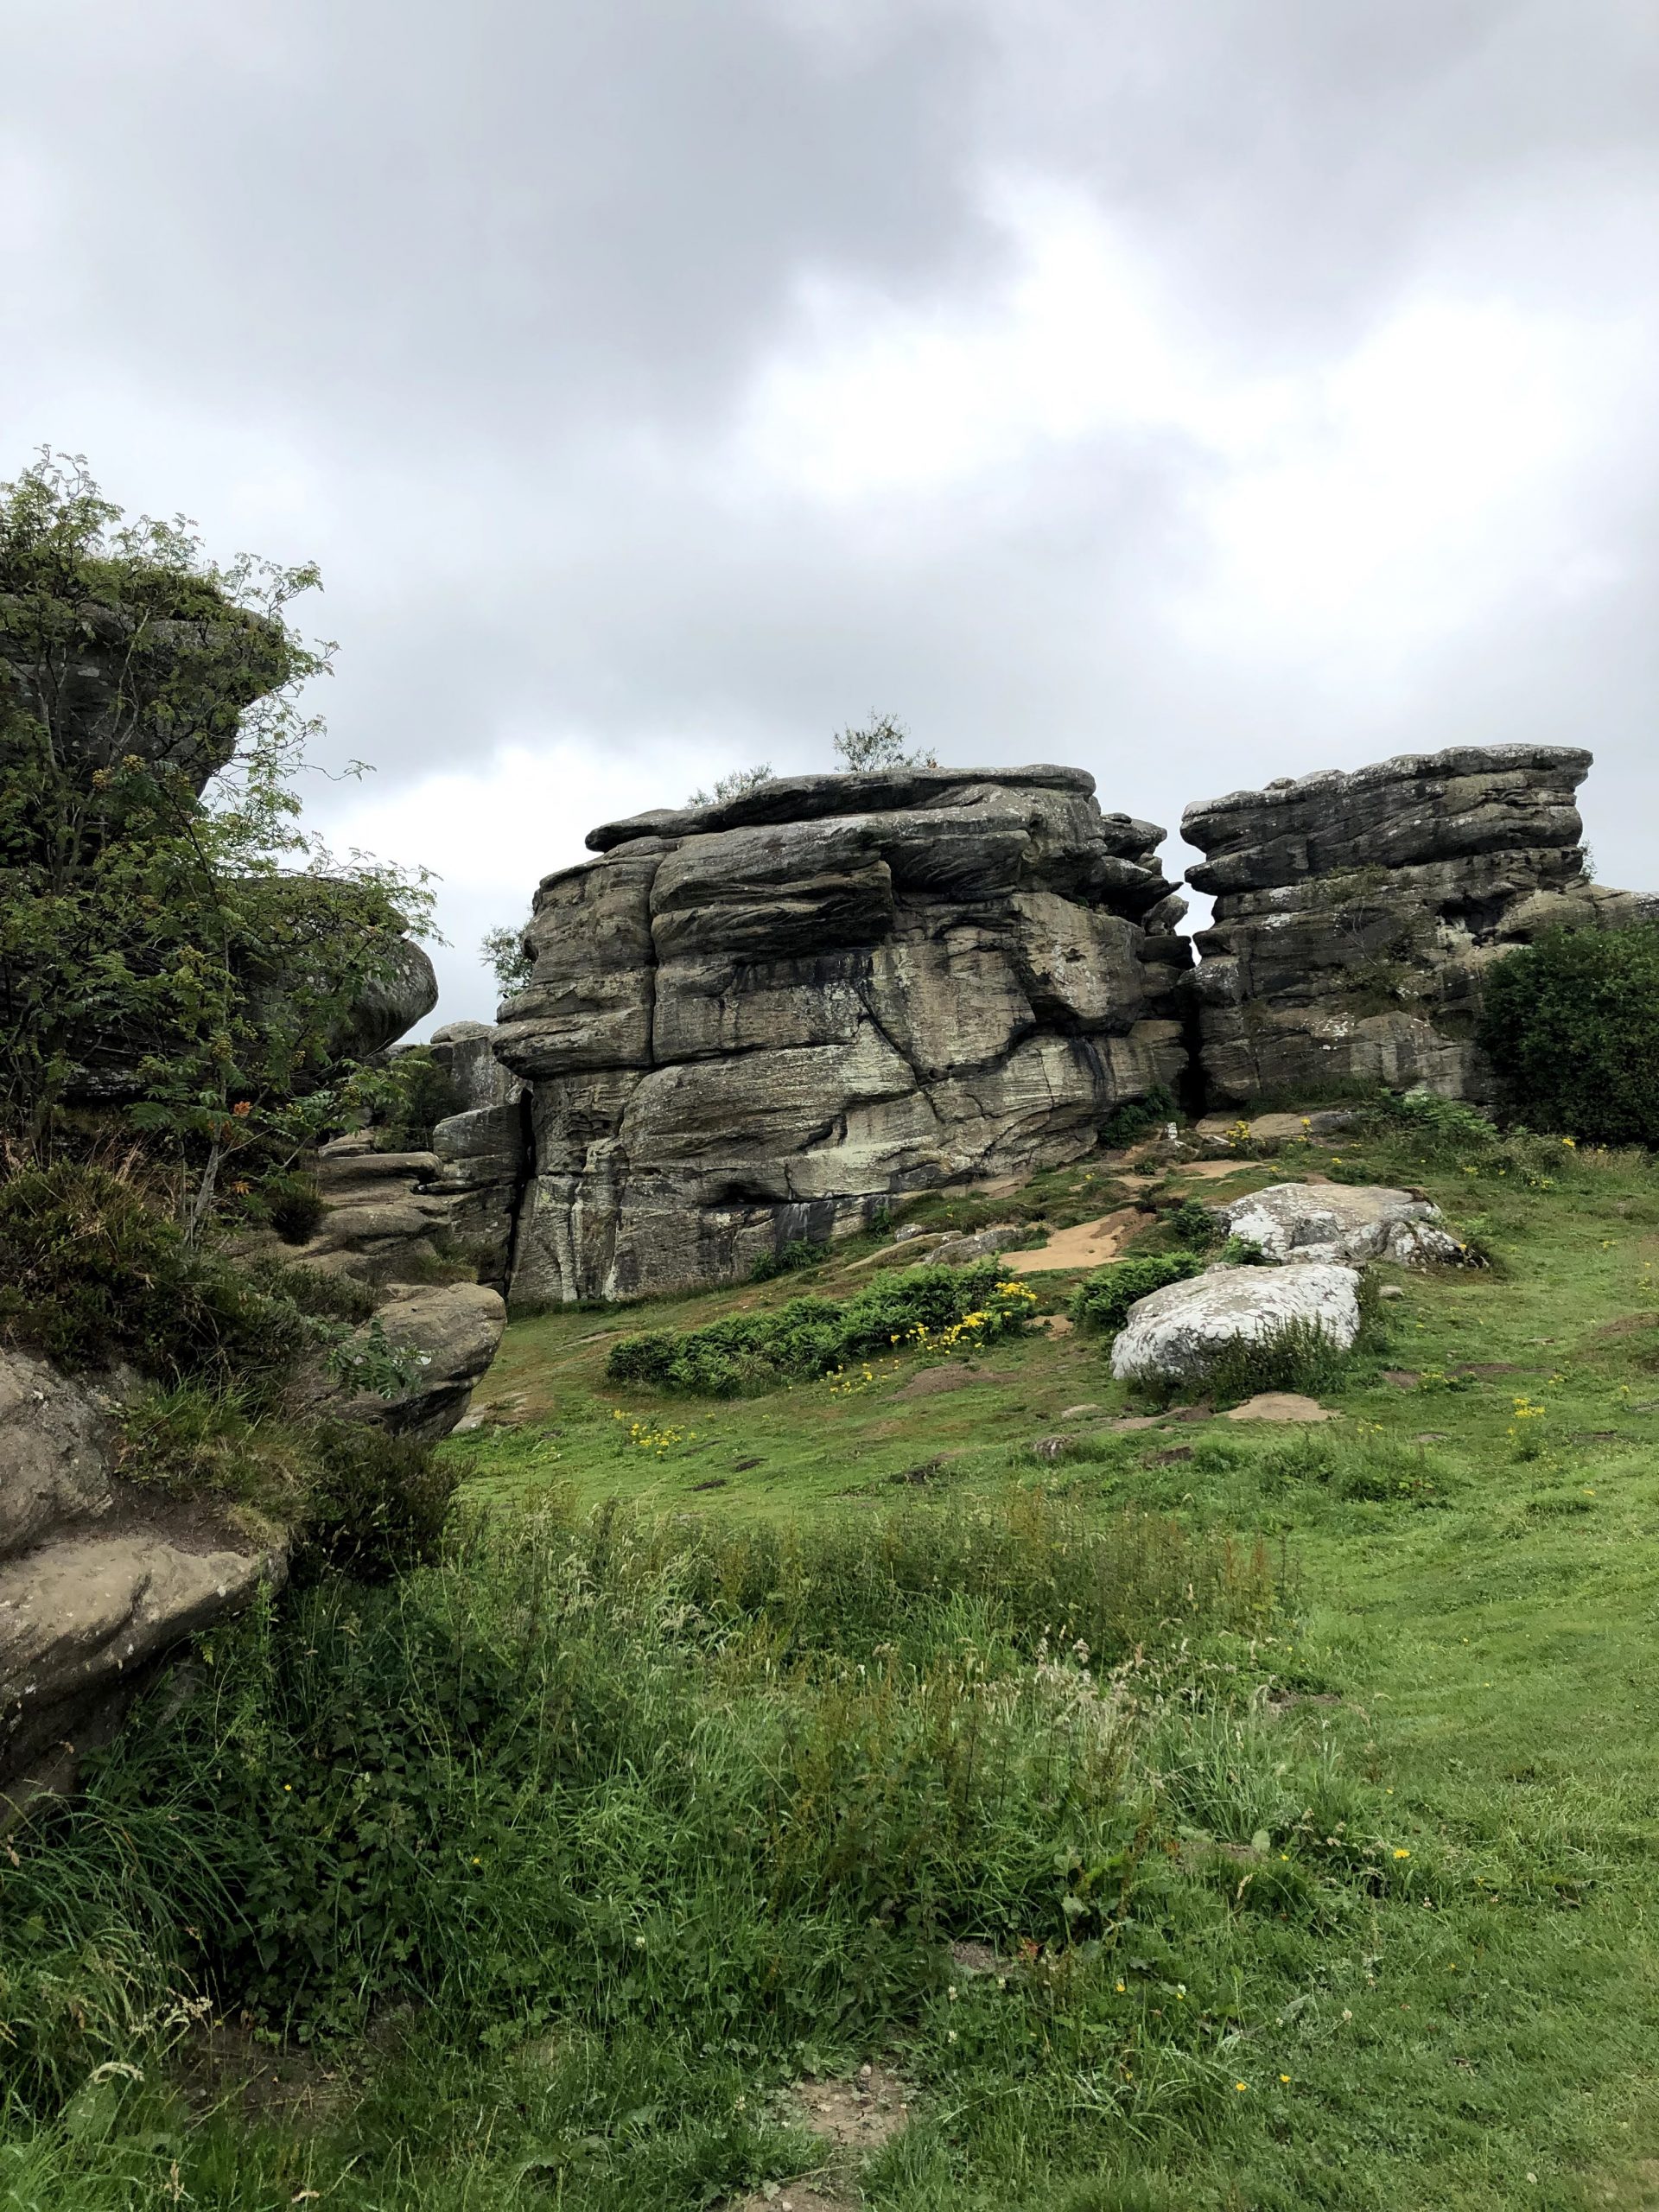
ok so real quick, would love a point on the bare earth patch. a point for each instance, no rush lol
(850, 2119)
(1090, 1244)
(934, 1379)
(1281, 1404)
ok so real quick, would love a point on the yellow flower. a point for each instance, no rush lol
(1403, 1854)
(1241, 2085)
(1284, 2077)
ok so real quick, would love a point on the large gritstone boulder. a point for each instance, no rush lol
(482, 1148)
(755, 1022)
(1346, 1222)
(1354, 914)
(1179, 1330)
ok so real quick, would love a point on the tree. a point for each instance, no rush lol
(1571, 1024)
(507, 953)
(880, 744)
(738, 784)
(172, 942)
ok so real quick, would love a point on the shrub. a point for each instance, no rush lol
(90, 1272)
(377, 1504)
(788, 1259)
(1572, 1026)
(1136, 1116)
(1103, 1302)
(1294, 1355)
(932, 1307)
(1191, 1225)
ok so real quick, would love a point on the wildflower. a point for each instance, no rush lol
(1403, 1854)
(242, 1108)
(1241, 2085)
(950, 2035)
(1571, 1143)
(1121, 1987)
(1285, 2078)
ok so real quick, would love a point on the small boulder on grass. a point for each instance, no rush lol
(1287, 1315)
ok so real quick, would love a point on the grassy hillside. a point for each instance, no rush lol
(1196, 1812)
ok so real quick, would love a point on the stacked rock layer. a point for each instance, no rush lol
(751, 1022)
(1353, 913)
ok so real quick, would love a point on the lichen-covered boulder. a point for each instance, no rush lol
(1178, 1331)
(1355, 912)
(757, 1021)
(1344, 1222)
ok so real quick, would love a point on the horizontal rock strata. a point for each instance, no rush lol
(754, 1022)
(1355, 912)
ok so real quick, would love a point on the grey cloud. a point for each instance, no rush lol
(494, 280)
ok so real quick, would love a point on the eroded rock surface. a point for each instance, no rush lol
(1178, 1330)
(1353, 913)
(1341, 1222)
(93, 1586)
(755, 1022)
(482, 1149)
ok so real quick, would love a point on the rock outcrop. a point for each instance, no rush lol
(756, 1021)
(1178, 1330)
(1345, 1223)
(93, 1586)
(1353, 913)
(482, 1149)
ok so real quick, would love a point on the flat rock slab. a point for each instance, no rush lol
(1341, 1223)
(1089, 1244)
(1281, 1404)
(1178, 1330)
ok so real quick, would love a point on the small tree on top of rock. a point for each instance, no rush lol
(881, 743)
(738, 784)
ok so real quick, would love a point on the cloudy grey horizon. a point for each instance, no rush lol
(1194, 395)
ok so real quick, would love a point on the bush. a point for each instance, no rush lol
(1571, 1027)
(1125, 1123)
(788, 1259)
(935, 1308)
(1103, 1302)
(1293, 1356)
(91, 1274)
(377, 1504)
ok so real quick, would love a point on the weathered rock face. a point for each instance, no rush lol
(483, 1150)
(1345, 1223)
(1178, 1329)
(1354, 914)
(755, 1022)
(90, 1589)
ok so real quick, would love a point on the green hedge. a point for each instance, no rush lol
(1103, 1302)
(1572, 1026)
(917, 1306)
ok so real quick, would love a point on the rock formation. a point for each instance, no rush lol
(1354, 914)
(1178, 1330)
(93, 1586)
(758, 1020)
(1344, 1222)
(482, 1148)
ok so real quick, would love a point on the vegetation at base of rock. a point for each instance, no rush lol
(788, 1259)
(91, 1274)
(906, 1307)
(1294, 1355)
(611, 1776)
(1136, 1116)
(1571, 1024)
(1103, 1302)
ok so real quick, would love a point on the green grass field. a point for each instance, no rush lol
(1326, 1876)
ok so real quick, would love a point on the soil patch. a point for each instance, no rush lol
(932, 1381)
(1281, 1404)
(1090, 1244)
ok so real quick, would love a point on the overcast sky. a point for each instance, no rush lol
(1197, 390)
